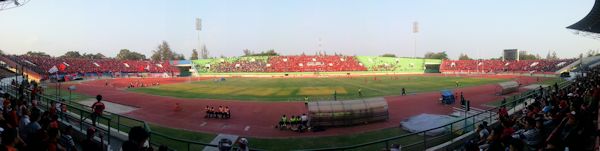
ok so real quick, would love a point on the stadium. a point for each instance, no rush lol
(297, 101)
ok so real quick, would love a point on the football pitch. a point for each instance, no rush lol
(296, 89)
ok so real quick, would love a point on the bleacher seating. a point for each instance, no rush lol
(558, 119)
(304, 63)
(496, 66)
(79, 65)
(394, 64)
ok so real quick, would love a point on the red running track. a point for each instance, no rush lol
(257, 119)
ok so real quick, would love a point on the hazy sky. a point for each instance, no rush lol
(480, 28)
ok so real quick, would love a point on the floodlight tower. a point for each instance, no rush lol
(415, 31)
(198, 29)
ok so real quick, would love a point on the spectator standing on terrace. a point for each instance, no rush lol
(89, 144)
(138, 137)
(66, 140)
(97, 108)
(243, 145)
(10, 139)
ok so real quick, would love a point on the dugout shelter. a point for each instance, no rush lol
(346, 113)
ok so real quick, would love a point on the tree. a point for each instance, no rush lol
(164, 52)
(247, 52)
(592, 53)
(93, 56)
(463, 56)
(524, 56)
(194, 55)
(388, 55)
(204, 52)
(439, 55)
(270, 52)
(37, 54)
(71, 54)
(177, 56)
(554, 55)
(1, 52)
(125, 54)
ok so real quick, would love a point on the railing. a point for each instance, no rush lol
(109, 123)
(421, 141)
(412, 141)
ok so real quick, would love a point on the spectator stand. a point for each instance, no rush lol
(113, 127)
(454, 130)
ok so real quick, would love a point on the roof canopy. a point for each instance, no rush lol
(591, 22)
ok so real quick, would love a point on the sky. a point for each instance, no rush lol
(478, 28)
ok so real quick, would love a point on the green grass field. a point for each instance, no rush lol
(295, 89)
(382, 86)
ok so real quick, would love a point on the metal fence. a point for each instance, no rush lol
(422, 141)
(110, 124)
(114, 124)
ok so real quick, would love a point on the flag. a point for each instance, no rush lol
(147, 67)
(159, 65)
(53, 69)
(62, 67)
(97, 65)
(141, 68)
(66, 64)
(126, 65)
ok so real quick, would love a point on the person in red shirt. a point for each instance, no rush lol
(10, 139)
(97, 109)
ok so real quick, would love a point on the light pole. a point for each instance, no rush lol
(71, 88)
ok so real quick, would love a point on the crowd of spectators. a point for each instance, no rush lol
(558, 119)
(241, 66)
(80, 65)
(303, 63)
(504, 66)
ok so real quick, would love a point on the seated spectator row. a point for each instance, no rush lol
(558, 119)
(79, 65)
(504, 66)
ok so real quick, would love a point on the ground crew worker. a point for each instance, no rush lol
(334, 95)
(282, 121)
(403, 91)
(306, 100)
(359, 92)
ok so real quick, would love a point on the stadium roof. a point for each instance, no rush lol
(591, 22)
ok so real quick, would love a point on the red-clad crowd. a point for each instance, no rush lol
(504, 66)
(304, 63)
(241, 66)
(556, 119)
(79, 65)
